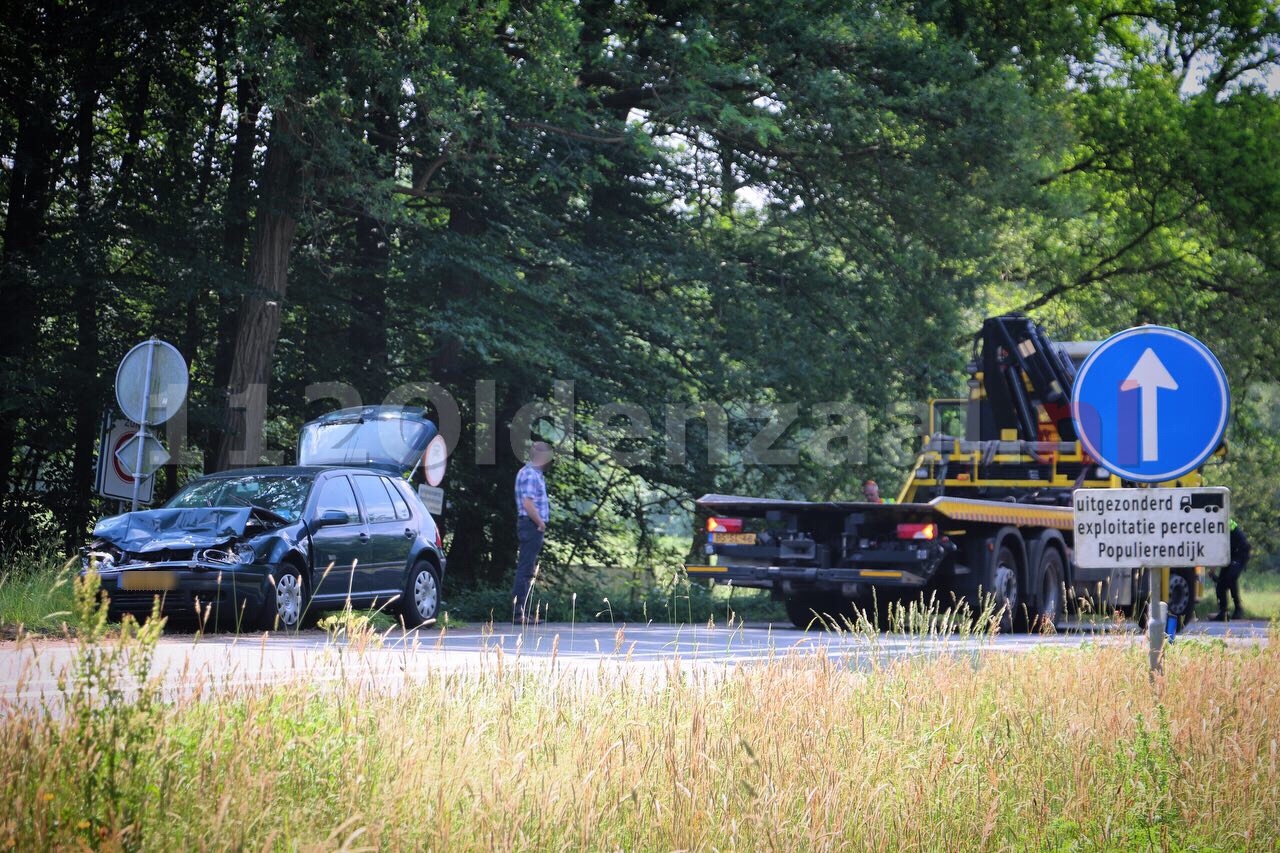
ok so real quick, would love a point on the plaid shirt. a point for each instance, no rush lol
(532, 485)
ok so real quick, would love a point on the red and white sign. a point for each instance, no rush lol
(435, 459)
(113, 480)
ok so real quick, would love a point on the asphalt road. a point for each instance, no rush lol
(188, 664)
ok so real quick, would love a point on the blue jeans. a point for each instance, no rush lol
(530, 539)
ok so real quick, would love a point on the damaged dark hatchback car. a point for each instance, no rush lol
(266, 548)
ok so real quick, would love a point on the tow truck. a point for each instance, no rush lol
(983, 521)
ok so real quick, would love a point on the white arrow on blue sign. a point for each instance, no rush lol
(1151, 404)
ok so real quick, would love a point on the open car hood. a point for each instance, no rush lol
(160, 529)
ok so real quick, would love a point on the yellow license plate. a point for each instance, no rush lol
(733, 538)
(143, 581)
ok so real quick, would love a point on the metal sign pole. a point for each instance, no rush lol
(1155, 619)
(1155, 622)
(104, 454)
(142, 428)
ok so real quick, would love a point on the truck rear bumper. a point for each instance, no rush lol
(806, 577)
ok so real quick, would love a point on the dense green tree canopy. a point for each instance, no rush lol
(796, 209)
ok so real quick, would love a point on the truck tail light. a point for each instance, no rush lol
(724, 525)
(918, 531)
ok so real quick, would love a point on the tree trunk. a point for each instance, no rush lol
(88, 349)
(456, 285)
(259, 322)
(30, 195)
(236, 222)
(483, 546)
(205, 182)
(234, 236)
(367, 334)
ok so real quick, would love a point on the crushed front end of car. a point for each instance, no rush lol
(207, 564)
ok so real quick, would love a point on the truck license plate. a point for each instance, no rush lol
(733, 538)
(144, 581)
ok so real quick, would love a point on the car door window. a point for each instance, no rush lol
(398, 501)
(377, 503)
(339, 549)
(390, 540)
(336, 494)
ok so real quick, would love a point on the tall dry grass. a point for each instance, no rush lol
(1054, 750)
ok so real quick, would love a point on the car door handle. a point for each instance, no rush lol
(364, 537)
(408, 533)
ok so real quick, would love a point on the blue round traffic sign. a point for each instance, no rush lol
(1151, 404)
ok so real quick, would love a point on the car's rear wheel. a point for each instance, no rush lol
(286, 601)
(420, 601)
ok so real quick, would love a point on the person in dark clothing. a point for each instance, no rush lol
(533, 510)
(1229, 578)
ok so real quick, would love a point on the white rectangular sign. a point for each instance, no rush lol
(432, 498)
(1142, 528)
(114, 481)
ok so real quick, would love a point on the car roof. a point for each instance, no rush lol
(292, 471)
(375, 413)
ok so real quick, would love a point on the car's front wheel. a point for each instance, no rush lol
(420, 601)
(286, 601)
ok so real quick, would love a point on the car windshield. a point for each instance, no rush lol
(283, 494)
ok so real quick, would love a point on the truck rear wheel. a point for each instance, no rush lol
(1007, 592)
(1049, 606)
(995, 581)
(1182, 594)
(1182, 598)
(818, 610)
(803, 610)
(877, 609)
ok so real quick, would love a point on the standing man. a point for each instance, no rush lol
(871, 492)
(533, 509)
(1229, 578)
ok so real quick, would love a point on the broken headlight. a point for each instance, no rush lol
(98, 558)
(230, 556)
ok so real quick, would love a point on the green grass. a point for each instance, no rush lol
(673, 602)
(1261, 593)
(1059, 749)
(35, 595)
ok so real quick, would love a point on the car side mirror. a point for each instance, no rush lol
(332, 518)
